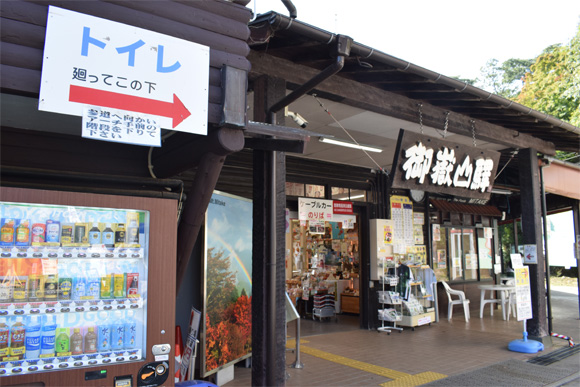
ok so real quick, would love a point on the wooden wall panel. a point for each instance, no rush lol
(220, 25)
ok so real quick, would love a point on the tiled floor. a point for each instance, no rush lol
(341, 354)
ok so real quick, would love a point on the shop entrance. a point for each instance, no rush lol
(323, 269)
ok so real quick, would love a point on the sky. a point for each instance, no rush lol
(451, 37)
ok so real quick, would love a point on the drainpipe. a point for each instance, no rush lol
(291, 8)
(343, 44)
(544, 164)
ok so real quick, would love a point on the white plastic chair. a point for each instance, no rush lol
(461, 301)
(509, 299)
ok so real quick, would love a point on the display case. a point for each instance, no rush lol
(418, 308)
(74, 282)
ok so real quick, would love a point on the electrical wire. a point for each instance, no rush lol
(348, 134)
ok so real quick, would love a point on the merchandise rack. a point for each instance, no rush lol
(389, 298)
(323, 306)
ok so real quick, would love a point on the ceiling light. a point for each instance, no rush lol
(350, 145)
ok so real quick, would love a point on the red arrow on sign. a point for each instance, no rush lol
(175, 110)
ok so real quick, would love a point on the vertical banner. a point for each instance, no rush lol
(227, 334)
(523, 293)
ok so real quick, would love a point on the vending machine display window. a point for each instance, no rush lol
(73, 286)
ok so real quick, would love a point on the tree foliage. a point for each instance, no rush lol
(505, 79)
(220, 285)
(553, 85)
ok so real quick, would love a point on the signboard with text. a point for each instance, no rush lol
(89, 61)
(435, 165)
(314, 209)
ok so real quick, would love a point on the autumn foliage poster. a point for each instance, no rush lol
(227, 332)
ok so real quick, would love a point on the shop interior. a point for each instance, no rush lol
(322, 265)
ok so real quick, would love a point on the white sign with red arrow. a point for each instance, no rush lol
(530, 254)
(97, 62)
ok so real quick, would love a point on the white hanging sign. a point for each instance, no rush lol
(98, 62)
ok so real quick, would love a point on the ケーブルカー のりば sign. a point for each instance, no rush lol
(89, 61)
(430, 164)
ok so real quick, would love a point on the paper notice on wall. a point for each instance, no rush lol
(418, 218)
(436, 233)
(516, 260)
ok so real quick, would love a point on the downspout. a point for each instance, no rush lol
(544, 164)
(291, 8)
(342, 49)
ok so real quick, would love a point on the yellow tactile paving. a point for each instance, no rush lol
(399, 378)
(414, 380)
(377, 370)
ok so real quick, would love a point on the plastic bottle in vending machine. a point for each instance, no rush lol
(76, 342)
(117, 332)
(17, 339)
(23, 233)
(79, 289)
(51, 287)
(65, 283)
(93, 283)
(62, 344)
(108, 236)
(95, 234)
(33, 338)
(104, 334)
(35, 283)
(4, 338)
(91, 340)
(130, 331)
(48, 336)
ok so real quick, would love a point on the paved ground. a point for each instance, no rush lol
(341, 354)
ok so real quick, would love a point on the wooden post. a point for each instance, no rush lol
(532, 235)
(268, 313)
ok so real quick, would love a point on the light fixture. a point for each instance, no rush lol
(499, 191)
(349, 144)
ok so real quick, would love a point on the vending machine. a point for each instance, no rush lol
(87, 289)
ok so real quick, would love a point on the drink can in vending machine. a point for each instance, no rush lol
(53, 231)
(38, 233)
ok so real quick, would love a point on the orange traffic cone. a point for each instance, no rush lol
(178, 352)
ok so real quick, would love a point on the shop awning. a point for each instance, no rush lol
(463, 208)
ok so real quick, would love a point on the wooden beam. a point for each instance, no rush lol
(184, 151)
(379, 101)
(195, 208)
(292, 146)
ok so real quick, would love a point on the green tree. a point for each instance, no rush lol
(505, 79)
(220, 285)
(553, 85)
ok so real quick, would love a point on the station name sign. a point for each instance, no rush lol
(435, 165)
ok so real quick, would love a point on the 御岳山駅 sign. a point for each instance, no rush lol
(97, 62)
(433, 165)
